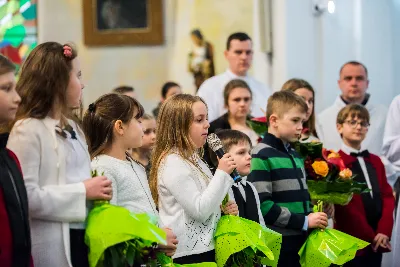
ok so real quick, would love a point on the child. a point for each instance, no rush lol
(142, 154)
(15, 241)
(277, 172)
(54, 157)
(167, 90)
(187, 194)
(368, 216)
(238, 144)
(112, 125)
(302, 88)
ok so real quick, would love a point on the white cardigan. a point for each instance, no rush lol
(129, 182)
(189, 203)
(53, 204)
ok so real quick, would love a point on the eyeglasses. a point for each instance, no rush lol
(353, 124)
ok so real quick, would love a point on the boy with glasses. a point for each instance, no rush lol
(368, 216)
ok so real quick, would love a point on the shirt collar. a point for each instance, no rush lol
(243, 181)
(234, 76)
(346, 149)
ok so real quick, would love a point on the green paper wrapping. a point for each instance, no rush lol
(235, 235)
(166, 261)
(109, 225)
(335, 192)
(325, 247)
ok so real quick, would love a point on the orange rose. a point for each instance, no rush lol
(345, 174)
(333, 154)
(321, 168)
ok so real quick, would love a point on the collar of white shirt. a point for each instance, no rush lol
(233, 75)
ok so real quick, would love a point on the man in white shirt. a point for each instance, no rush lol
(239, 54)
(353, 83)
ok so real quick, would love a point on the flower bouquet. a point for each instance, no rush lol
(328, 179)
(165, 261)
(116, 237)
(258, 125)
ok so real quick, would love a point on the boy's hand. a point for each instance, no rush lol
(381, 240)
(317, 220)
(231, 208)
(329, 209)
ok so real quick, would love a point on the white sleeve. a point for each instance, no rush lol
(111, 175)
(63, 203)
(206, 94)
(318, 129)
(260, 216)
(178, 179)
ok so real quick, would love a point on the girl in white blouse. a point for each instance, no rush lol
(112, 125)
(54, 157)
(187, 194)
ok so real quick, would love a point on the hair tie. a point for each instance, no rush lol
(92, 107)
(67, 51)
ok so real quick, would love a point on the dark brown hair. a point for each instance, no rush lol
(43, 81)
(123, 89)
(295, 84)
(352, 111)
(282, 101)
(241, 36)
(228, 139)
(236, 83)
(6, 65)
(99, 119)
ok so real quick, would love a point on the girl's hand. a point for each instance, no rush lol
(231, 208)
(170, 248)
(98, 188)
(227, 164)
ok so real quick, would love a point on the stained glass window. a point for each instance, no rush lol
(18, 29)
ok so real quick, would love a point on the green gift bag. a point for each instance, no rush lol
(325, 247)
(115, 236)
(329, 246)
(241, 242)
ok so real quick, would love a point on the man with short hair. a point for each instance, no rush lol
(353, 82)
(239, 54)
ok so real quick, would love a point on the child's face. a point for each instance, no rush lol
(199, 129)
(308, 97)
(149, 137)
(75, 85)
(353, 130)
(133, 134)
(242, 157)
(9, 98)
(288, 127)
(239, 102)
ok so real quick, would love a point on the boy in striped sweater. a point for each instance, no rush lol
(277, 172)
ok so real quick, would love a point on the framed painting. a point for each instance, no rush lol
(123, 22)
(18, 29)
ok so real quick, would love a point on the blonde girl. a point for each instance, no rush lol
(187, 194)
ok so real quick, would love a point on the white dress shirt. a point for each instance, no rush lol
(348, 150)
(329, 136)
(212, 91)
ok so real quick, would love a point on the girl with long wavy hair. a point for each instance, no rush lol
(187, 194)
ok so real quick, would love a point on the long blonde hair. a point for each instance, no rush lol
(173, 126)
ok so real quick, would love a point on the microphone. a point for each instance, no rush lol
(216, 145)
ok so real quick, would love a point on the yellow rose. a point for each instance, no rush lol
(333, 154)
(321, 168)
(345, 174)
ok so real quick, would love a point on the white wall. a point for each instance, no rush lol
(314, 48)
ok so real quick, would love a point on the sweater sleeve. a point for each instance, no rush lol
(273, 214)
(179, 179)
